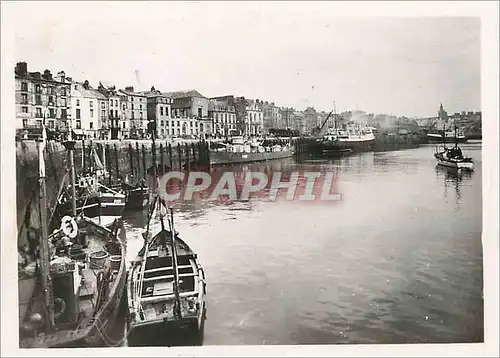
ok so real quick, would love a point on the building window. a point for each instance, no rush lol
(132, 117)
(116, 113)
(161, 111)
(52, 113)
(63, 91)
(140, 107)
(199, 112)
(78, 113)
(166, 112)
(132, 106)
(91, 104)
(38, 113)
(124, 125)
(91, 113)
(38, 89)
(52, 124)
(162, 123)
(76, 87)
(103, 104)
(78, 124)
(116, 103)
(103, 113)
(24, 109)
(91, 124)
(77, 102)
(51, 100)
(39, 123)
(24, 86)
(25, 122)
(24, 98)
(140, 114)
(178, 123)
(64, 103)
(63, 113)
(38, 99)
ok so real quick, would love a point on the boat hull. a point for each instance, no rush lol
(348, 145)
(436, 138)
(223, 158)
(137, 198)
(456, 165)
(187, 331)
(103, 209)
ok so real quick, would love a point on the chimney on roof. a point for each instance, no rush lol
(86, 85)
(47, 75)
(21, 68)
(61, 76)
(153, 88)
(70, 79)
(129, 89)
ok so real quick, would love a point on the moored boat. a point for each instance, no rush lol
(247, 151)
(450, 136)
(70, 291)
(96, 201)
(348, 138)
(166, 290)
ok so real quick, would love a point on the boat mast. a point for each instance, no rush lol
(70, 146)
(44, 249)
(177, 307)
(444, 136)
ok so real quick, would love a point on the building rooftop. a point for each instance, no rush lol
(184, 94)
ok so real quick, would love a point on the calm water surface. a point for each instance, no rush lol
(397, 260)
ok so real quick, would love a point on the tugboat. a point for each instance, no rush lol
(452, 157)
(77, 279)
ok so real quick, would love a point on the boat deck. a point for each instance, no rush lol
(96, 285)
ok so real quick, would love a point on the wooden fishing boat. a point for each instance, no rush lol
(166, 291)
(452, 157)
(102, 204)
(96, 201)
(70, 294)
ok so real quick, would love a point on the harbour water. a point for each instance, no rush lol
(397, 260)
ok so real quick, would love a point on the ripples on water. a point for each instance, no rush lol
(398, 260)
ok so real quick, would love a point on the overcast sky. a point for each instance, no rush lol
(295, 54)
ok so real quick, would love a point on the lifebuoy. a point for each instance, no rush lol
(69, 226)
(62, 307)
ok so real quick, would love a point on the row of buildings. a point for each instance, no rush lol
(103, 111)
(107, 112)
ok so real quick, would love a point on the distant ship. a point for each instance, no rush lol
(450, 136)
(239, 150)
(349, 137)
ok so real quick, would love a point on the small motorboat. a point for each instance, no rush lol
(452, 157)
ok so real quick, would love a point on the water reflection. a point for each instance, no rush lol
(382, 266)
(453, 179)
